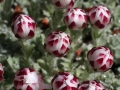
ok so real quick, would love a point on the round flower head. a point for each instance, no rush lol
(75, 19)
(23, 27)
(99, 16)
(91, 85)
(63, 3)
(64, 81)
(1, 73)
(100, 58)
(29, 79)
(57, 43)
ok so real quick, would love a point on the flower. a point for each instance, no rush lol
(63, 3)
(1, 72)
(100, 58)
(23, 27)
(75, 19)
(29, 79)
(91, 85)
(64, 81)
(57, 43)
(99, 16)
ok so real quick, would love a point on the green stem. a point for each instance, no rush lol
(94, 37)
(26, 57)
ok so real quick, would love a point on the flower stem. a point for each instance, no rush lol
(26, 53)
(94, 37)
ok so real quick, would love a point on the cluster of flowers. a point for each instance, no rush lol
(58, 44)
(100, 58)
(76, 18)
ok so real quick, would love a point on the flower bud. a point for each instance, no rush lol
(29, 79)
(57, 43)
(100, 58)
(99, 16)
(64, 81)
(23, 27)
(91, 85)
(75, 19)
(63, 3)
(1, 73)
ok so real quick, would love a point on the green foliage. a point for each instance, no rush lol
(16, 54)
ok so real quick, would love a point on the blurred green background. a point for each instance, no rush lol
(12, 55)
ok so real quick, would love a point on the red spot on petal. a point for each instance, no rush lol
(56, 53)
(99, 25)
(31, 34)
(28, 17)
(1, 72)
(101, 54)
(75, 79)
(108, 12)
(98, 9)
(66, 88)
(51, 43)
(82, 11)
(105, 19)
(101, 15)
(30, 24)
(85, 17)
(52, 36)
(103, 68)
(31, 70)
(15, 83)
(20, 30)
(58, 4)
(92, 16)
(22, 77)
(72, 25)
(73, 88)
(20, 83)
(71, 4)
(59, 84)
(63, 47)
(110, 62)
(23, 22)
(56, 32)
(34, 25)
(29, 88)
(24, 72)
(84, 24)
(80, 17)
(72, 15)
(100, 61)
(67, 50)
(64, 40)
(64, 73)
(66, 18)
(56, 41)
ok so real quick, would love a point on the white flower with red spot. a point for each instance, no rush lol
(63, 3)
(1, 73)
(100, 58)
(23, 27)
(75, 18)
(57, 43)
(64, 81)
(91, 85)
(29, 79)
(99, 16)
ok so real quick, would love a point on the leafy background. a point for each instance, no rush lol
(13, 53)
